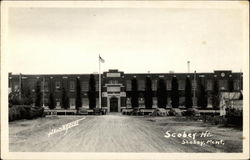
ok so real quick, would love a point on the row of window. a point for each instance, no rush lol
(223, 84)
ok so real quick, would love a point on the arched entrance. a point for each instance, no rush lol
(113, 104)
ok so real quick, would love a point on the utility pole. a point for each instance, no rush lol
(194, 88)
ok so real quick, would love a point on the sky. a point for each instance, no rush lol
(133, 40)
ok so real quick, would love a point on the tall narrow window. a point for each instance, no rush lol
(58, 85)
(85, 85)
(141, 85)
(72, 86)
(209, 85)
(154, 85)
(236, 85)
(181, 84)
(168, 84)
(223, 84)
(128, 85)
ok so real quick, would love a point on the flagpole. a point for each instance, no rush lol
(99, 82)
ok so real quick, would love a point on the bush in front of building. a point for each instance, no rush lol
(92, 92)
(52, 103)
(78, 101)
(148, 94)
(234, 116)
(188, 94)
(202, 95)
(174, 93)
(17, 112)
(191, 112)
(24, 99)
(215, 95)
(38, 98)
(135, 94)
(175, 112)
(65, 99)
(161, 94)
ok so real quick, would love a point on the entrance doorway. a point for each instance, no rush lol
(113, 104)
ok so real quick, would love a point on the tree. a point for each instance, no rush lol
(148, 94)
(135, 94)
(65, 99)
(92, 92)
(26, 96)
(230, 85)
(52, 103)
(188, 94)
(175, 93)
(202, 95)
(215, 95)
(78, 94)
(161, 94)
(38, 98)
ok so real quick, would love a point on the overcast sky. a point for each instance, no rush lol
(68, 40)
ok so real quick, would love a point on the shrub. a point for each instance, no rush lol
(234, 116)
(202, 95)
(161, 94)
(38, 99)
(215, 95)
(135, 94)
(78, 95)
(65, 99)
(52, 103)
(174, 112)
(191, 112)
(92, 92)
(188, 94)
(17, 112)
(175, 93)
(148, 94)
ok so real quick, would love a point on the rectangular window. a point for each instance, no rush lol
(128, 102)
(113, 74)
(194, 84)
(154, 102)
(85, 102)
(141, 101)
(141, 85)
(72, 102)
(16, 87)
(85, 86)
(223, 84)
(113, 81)
(113, 89)
(236, 85)
(58, 85)
(128, 85)
(154, 85)
(169, 84)
(97, 85)
(44, 86)
(209, 85)
(181, 84)
(72, 86)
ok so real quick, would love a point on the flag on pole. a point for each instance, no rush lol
(101, 59)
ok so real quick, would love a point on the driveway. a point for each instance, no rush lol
(116, 133)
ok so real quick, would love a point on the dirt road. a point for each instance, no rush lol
(116, 133)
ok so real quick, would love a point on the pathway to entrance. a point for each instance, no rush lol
(114, 133)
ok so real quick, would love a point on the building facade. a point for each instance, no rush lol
(116, 86)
